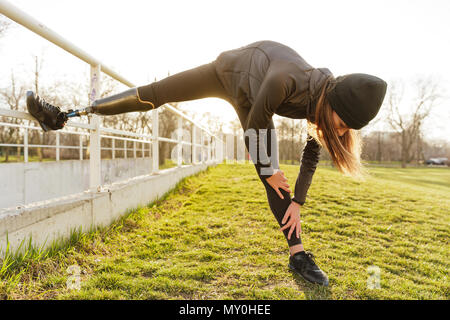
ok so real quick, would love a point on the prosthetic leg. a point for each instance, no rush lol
(51, 117)
(127, 101)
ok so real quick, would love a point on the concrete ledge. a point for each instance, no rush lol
(22, 187)
(54, 219)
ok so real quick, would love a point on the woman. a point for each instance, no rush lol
(262, 79)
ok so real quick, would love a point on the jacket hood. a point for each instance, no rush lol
(318, 77)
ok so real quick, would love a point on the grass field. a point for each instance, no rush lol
(168, 163)
(214, 237)
(13, 158)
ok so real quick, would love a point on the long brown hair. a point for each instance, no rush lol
(345, 151)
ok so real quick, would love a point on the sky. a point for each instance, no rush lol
(144, 40)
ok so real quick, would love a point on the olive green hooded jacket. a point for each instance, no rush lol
(270, 78)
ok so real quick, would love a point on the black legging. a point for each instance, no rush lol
(202, 82)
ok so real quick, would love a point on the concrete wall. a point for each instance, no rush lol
(24, 183)
(46, 221)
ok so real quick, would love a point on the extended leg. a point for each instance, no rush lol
(300, 261)
(197, 83)
(277, 205)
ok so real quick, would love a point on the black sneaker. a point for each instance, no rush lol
(303, 264)
(48, 116)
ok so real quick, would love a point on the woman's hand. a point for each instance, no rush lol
(277, 181)
(293, 215)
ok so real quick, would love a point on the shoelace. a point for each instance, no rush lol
(311, 261)
(46, 105)
(310, 255)
(60, 118)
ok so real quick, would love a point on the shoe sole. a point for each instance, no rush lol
(296, 272)
(30, 102)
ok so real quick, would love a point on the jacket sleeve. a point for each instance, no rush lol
(273, 91)
(310, 158)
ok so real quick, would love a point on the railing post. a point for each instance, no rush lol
(213, 149)
(25, 145)
(240, 149)
(155, 145)
(179, 145)
(194, 142)
(113, 147)
(125, 151)
(209, 149)
(143, 149)
(57, 145)
(202, 147)
(230, 148)
(81, 147)
(206, 148)
(219, 149)
(94, 137)
(216, 150)
(134, 149)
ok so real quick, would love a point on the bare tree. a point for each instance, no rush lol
(381, 146)
(283, 126)
(168, 123)
(409, 125)
(211, 121)
(289, 135)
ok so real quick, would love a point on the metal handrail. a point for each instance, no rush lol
(26, 116)
(39, 28)
(95, 130)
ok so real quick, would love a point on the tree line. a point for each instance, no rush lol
(404, 142)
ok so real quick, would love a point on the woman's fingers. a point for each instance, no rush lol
(277, 190)
(280, 182)
(294, 223)
(283, 178)
(284, 185)
(279, 193)
(287, 225)
(286, 215)
(291, 230)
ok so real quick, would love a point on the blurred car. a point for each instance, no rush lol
(437, 161)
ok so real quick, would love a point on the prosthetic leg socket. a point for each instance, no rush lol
(127, 101)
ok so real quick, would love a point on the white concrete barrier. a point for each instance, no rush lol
(27, 182)
(55, 219)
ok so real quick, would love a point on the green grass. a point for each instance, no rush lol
(214, 237)
(168, 163)
(14, 158)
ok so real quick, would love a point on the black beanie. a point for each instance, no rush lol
(357, 98)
